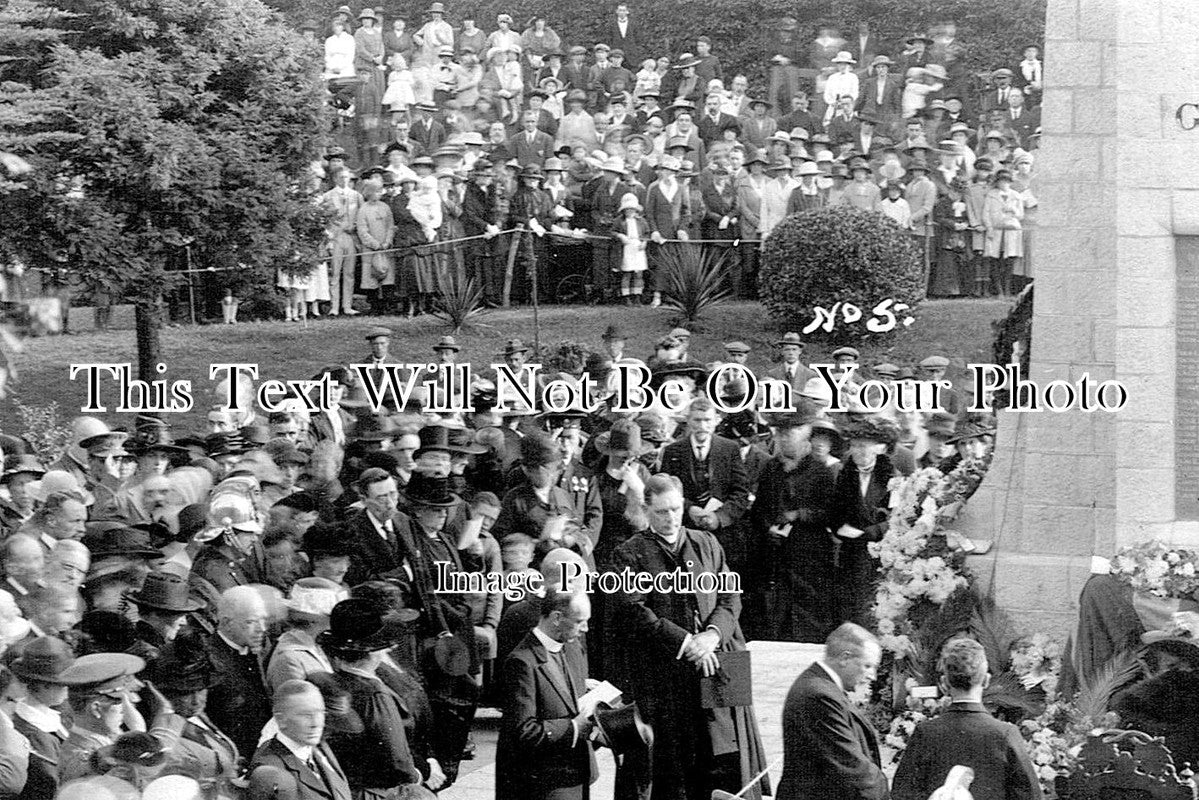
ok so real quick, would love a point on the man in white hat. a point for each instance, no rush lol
(807, 196)
(74, 458)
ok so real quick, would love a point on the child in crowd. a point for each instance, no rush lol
(633, 263)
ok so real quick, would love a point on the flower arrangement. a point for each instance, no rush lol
(1055, 738)
(1158, 569)
(1036, 660)
(920, 561)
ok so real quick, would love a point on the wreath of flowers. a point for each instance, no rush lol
(1156, 568)
(919, 559)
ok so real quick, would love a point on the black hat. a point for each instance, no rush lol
(874, 427)
(165, 591)
(622, 439)
(374, 428)
(184, 666)
(462, 441)
(109, 538)
(672, 369)
(225, 444)
(429, 490)
(327, 539)
(433, 438)
(45, 660)
(623, 729)
(359, 626)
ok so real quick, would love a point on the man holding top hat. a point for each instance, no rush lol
(544, 750)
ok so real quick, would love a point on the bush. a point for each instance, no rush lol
(838, 255)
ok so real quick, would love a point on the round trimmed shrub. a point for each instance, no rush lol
(844, 255)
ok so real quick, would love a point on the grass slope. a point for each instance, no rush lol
(960, 330)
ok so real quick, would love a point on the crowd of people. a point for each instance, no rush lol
(593, 160)
(261, 606)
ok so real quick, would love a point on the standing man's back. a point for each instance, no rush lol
(966, 734)
(830, 750)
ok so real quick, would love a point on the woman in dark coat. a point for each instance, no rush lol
(793, 573)
(408, 234)
(861, 514)
(950, 245)
(531, 208)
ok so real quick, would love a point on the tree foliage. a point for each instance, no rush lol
(834, 256)
(158, 125)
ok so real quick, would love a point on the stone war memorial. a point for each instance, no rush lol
(1117, 296)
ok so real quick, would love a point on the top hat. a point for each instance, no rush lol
(622, 439)
(433, 438)
(623, 728)
(429, 490)
(165, 591)
(357, 625)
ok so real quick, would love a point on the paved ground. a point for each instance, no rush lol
(775, 667)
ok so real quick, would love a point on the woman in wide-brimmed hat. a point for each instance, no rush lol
(378, 759)
(184, 672)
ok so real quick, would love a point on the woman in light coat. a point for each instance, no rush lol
(376, 230)
(1003, 210)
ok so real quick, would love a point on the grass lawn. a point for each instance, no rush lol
(958, 329)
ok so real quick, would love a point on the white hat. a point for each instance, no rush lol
(58, 481)
(844, 58)
(818, 389)
(808, 168)
(824, 155)
(630, 201)
(671, 163)
(315, 596)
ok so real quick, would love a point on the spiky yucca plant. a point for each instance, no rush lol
(693, 279)
(459, 303)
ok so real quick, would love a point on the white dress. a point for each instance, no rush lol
(339, 56)
(400, 92)
(633, 256)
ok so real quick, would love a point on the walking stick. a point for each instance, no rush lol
(512, 247)
(721, 794)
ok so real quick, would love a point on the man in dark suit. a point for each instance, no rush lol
(881, 94)
(1021, 120)
(425, 130)
(714, 122)
(240, 704)
(531, 146)
(377, 529)
(791, 370)
(623, 34)
(543, 751)
(296, 762)
(715, 484)
(830, 750)
(968, 735)
(679, 637)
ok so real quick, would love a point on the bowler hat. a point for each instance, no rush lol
(165, 591)
(359, 626)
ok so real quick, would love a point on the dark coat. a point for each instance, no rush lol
(830, 751)
(379, 757)
(538, 751)
(884, 105)
(536, 152)
(726, 477)
(966, 734)
(665, 687)
(802, 563)
(712, 130)
(372, 556)
(478, 209)
(667, 217)
(42, 777)
(630, 43)
(240, 704)
(308, 785)
(856, 573)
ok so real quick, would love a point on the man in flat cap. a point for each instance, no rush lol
(933, 368)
